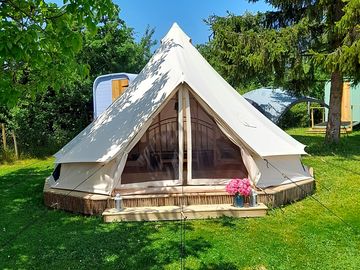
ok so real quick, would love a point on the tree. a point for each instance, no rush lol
(249, 54)
(40, 41)
(47, 120)
(113, 49)
(292, 46)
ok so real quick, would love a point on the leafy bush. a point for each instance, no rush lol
(44, 124)
(297, 116)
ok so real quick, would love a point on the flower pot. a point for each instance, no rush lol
(238, 201)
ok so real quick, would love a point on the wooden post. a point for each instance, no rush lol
(15, 145)
(312, 117)
(351, 118)
(188, 136)
(3, 136)
(308, 112)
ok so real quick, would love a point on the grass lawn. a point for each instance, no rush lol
(303, 235)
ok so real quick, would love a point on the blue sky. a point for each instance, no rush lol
(189, 14)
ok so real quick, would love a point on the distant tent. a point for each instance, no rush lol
(275, 102)
(179, 123)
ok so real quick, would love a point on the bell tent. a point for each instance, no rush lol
(178, 125)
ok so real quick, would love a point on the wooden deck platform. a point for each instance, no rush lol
(175, 212)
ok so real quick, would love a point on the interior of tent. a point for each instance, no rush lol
(173, 152)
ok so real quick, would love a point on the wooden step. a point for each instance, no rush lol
(323, 131)
(175, 212)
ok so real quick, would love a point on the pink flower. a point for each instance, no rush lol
(239, 186)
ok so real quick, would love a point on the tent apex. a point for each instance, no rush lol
(176, 33)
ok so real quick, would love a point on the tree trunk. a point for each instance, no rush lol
(334, 116)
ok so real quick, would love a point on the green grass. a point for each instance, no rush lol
(303, 235)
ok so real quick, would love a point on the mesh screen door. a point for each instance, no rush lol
(156, 156)
(214, 156)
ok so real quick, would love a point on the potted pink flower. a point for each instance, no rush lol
(239, 188)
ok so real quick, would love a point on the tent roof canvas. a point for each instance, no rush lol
(176, 62)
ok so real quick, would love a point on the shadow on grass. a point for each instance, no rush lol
(219, 266)
(22, 190)
(175, 226)
(226, 221)
(24, 176)
(33, 236)
(21, 201)
(83, 242)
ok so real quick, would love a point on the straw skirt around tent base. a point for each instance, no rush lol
(92, 204)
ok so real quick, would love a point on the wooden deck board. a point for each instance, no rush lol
(174, 212)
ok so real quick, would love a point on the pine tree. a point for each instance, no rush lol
(291, 46)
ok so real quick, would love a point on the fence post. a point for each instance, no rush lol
(15, 145)
(3, 136)
(312, 117)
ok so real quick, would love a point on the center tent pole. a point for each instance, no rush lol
(181, 135)
(188, 136)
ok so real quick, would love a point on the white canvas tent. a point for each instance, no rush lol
(179, 123)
